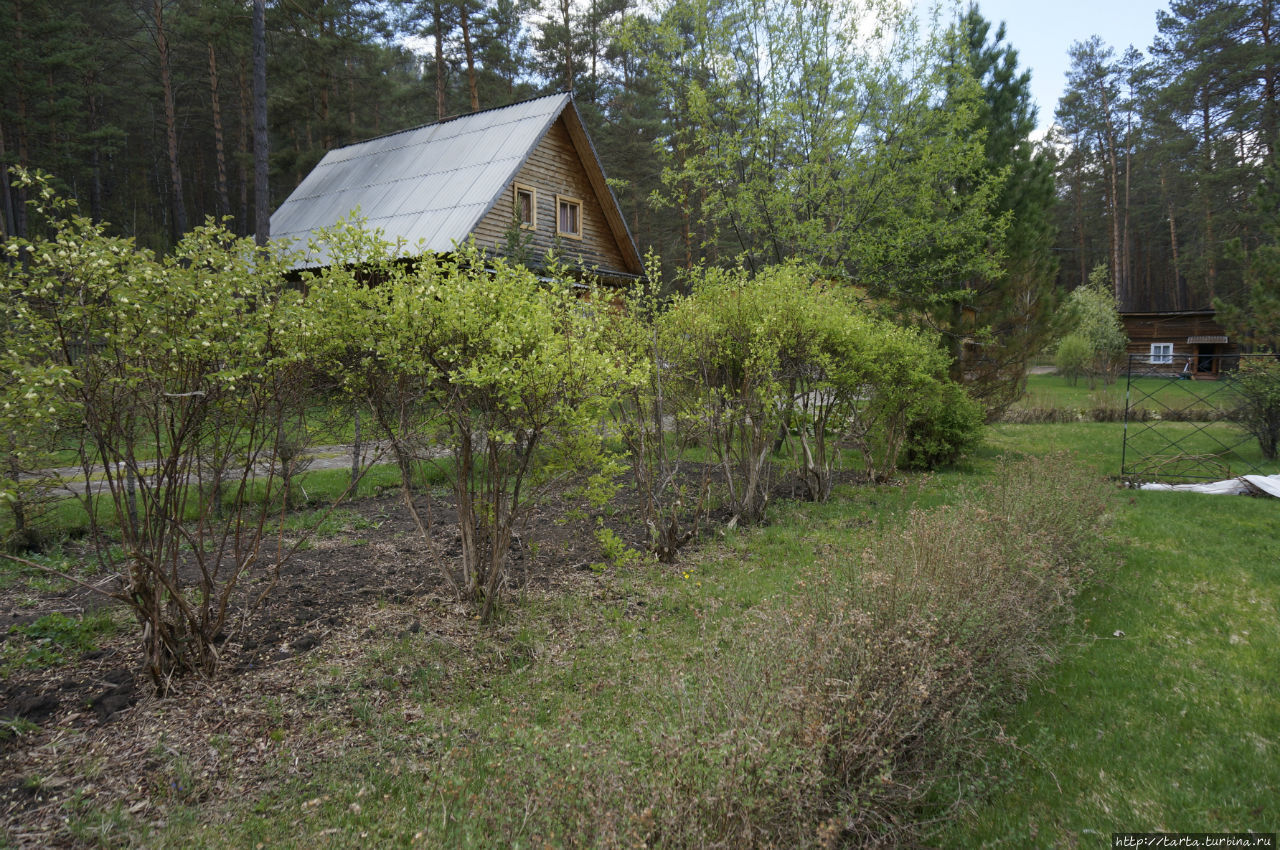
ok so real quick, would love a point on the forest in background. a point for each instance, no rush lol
(733, 131)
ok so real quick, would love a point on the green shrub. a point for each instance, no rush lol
(945, 426)
(1257, 383)
(1073, 356)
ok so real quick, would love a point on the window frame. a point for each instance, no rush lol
(516, 190)
(1161, 353)
(561, 200)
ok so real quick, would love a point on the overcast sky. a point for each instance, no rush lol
(1041, 31)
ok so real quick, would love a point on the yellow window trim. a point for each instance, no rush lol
(516, 189)
(566, 199)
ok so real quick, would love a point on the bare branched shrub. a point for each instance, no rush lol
(647, 419)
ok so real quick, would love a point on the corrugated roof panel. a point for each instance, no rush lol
(483, 146)
(315, 182)
(432, 183)
(396, 194)
(426, 195)
(422, 227)
(456, 185)
(380, 201)
(450, 227)
(445, 155)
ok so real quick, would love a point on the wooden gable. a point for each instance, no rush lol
(556, 169)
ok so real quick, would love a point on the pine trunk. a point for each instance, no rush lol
(261, 189)
(177, 202)
(437, 13)
(465, 14)
(219, 142)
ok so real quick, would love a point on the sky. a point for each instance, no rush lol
(1042, 30)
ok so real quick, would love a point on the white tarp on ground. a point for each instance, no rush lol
(1245, 485)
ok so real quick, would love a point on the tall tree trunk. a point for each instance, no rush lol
(1181, 299)
(568, 45)
(7, 223)
(170, 121)
(1117, 270)
(437, 14)
(1270, 107)
(19, 195)
(351, 101)
(95, 158)
(261, 188)
(1126, 250)
(242, 167)
(1211, 269)
(219, 143)
(464, 13)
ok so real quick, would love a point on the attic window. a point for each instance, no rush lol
(568, 217)
(527, 206)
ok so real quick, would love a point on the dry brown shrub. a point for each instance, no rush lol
(827, 720)
(950, 611)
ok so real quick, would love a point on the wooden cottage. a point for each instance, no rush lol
(1165, 342)
(520, 179)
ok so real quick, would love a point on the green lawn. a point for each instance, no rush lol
(1164, 716)
(1055, 391)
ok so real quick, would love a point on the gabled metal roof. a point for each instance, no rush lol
(429, 186)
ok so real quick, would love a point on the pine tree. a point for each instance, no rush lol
(1009, 313)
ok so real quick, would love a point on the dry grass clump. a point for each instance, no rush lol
(828, 718)
(1108, 413)
(945, 615)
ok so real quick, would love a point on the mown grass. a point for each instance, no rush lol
(1163, 716)
(1056, 391)
(1100, 444)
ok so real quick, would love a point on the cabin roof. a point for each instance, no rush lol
(431, 185)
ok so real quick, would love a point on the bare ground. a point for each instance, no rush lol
(104, 735)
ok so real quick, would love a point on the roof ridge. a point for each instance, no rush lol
(448, 119)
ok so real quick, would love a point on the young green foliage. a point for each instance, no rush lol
(508, 374)
(1096, 340)
(169, 377)
(1257, 383)
(755, 362)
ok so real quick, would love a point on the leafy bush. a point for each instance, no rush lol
(756, 362)
(945, 425)
(1257, 383)
(1096, 341)
(1073, 356)
(167, 376)
(513, 374)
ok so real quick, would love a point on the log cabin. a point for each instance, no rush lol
(1165, 342)
(521, 180)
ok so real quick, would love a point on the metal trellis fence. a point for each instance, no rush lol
(1177, 421)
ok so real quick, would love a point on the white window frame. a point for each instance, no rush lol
(1161, 352)
(561, 200)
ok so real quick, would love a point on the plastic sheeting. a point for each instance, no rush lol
(1245, 485)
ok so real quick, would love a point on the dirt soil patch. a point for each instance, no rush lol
(93, 734)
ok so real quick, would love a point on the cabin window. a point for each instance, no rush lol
(568, 217)
(1161, 352)
(527, 207)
